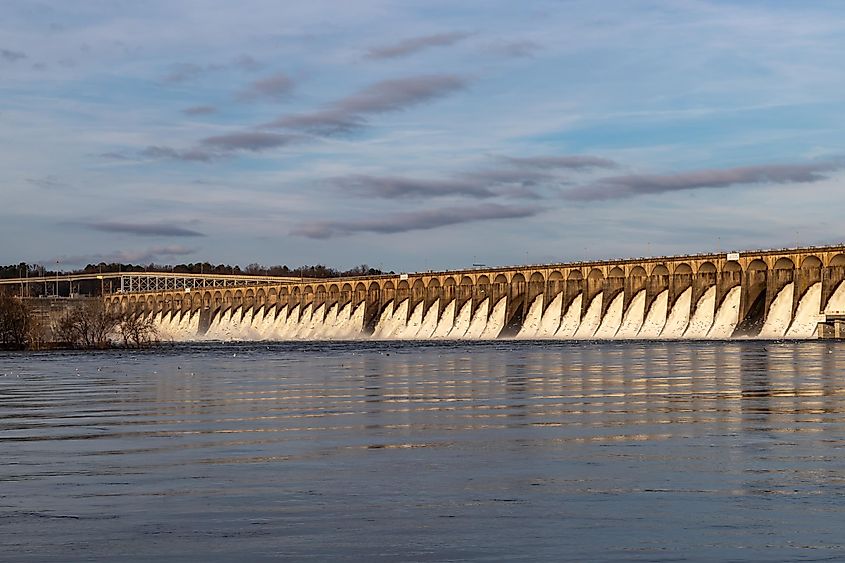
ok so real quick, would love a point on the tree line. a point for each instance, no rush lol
(23, 270)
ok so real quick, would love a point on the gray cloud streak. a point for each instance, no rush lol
(199, 110)
(571, 162)
(414, 221)
(253, 141)
(275, 87)
(186, 72)
(619, 187)
(415, 44)
(516, 49)
(396, 187)
(11, 56)
(188, 155)
(350, 113)
(143, 229)
(142, 256)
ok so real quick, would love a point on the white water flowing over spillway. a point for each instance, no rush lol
(702, 319)
(780, 314)
(655, 320)
(727, 317)
(807, 316)
(486, 320)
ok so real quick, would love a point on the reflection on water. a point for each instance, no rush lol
(380, 451)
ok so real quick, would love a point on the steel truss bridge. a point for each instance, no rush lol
(139, 282)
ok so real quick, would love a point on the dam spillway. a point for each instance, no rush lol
(763, 294)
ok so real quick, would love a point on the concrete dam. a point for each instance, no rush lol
(772, 294)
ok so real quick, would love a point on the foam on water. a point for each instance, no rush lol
(655, 320)
(592, 319)
(551, 318)
(634, 317)
(531, 324)
(727, 317)
(571, 319)
(705, 313)
(780, 314)
(807, 315)
(678, 319)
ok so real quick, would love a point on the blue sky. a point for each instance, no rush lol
(417, 135)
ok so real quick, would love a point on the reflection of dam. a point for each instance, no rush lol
(770, 294)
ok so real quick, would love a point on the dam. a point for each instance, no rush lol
(771, 294)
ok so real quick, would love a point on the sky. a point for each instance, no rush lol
(417, 135)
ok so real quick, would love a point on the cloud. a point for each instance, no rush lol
(47, 182)
(516, 49)
(144, 229)
(396, 187)
(275, 87)
(141, 256)
(415, 44)
(382, 97)
(571, 162)
(414, 221)
(199, 110)
(253, 141)
(619, 187)
(190, 155)
(11, 56)
(186, 72)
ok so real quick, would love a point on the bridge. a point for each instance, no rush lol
(760, 276)
(136, 282)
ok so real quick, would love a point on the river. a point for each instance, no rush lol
(426, 451)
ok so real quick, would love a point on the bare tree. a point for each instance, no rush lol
(137, 330)
(15, 323)
(88, 326)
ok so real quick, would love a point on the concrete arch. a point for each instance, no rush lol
(660, 270)
(207, 299)
(483, 280)
(374, 286)
(283, 292)
(466, 280)
(308, 289)
(757, 266)
(616, 272)
(449, 281)
(518, 278)
(638, 272)
(811, 263)
(403, 285)
(360, 287)
(501, 278)
(537, 277)
(295, 291)
(683, 269)
(334, 290)
(595, 274)
(555, 276)
(732, 266)
(576, 275)
(320, 289)
(707, 268)
(784, 264)
(347, 288)
(433, 282)
(837, 261)
(388, 286)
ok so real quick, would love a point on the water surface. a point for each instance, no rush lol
(665, 451)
